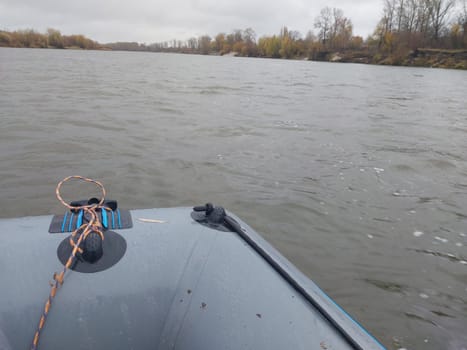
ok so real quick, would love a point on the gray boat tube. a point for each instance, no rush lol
(181, 283)
(351, 330)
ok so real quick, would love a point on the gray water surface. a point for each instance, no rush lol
(356, 173)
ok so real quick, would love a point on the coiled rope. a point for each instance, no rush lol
(76, 238)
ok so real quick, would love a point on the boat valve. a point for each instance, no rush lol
(214, 215)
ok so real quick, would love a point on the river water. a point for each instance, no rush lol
(356, 173)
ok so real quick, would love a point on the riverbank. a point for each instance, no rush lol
(243, 43)
(432, 58)
(429, 58)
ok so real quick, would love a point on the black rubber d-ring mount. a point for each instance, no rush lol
(113, 246)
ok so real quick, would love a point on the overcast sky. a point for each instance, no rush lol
(158, 20)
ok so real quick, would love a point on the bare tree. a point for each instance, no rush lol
(400, 15)
(415, 22)
(192, 44)
(411, 16)
(337, 18)
(324, 22)
(238, 35)
(389, 13)
(462, 20)
(249, 35)
(439, 15)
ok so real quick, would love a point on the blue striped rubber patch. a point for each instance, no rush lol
(71, 222)
(64, 221)
(79, 220)
(113, 219)
(118, 217)
(104, 218)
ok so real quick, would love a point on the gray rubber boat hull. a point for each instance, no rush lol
(179, 285)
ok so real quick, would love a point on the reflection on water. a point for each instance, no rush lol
(356, 173)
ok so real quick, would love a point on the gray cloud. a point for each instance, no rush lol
(157, 20)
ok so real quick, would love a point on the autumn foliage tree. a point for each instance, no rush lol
(54, 38)
(335, 30)
(269, 46)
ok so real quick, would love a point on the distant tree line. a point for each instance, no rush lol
(52, 38)
(405, 26)
(335, 33)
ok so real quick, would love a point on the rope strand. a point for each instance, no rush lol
(76, 238)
